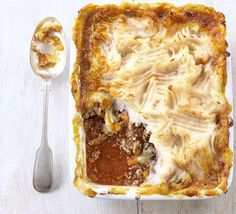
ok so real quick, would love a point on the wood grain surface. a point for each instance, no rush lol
(21, 118)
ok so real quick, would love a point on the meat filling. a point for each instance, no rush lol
(120, 158)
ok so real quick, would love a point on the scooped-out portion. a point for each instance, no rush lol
(123, 157)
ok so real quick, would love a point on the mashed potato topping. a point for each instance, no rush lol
(164, 66)
(47, 45)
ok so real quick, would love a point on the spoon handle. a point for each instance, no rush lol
(43, 166)
(46, 91)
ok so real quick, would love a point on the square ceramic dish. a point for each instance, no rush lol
(131, 194)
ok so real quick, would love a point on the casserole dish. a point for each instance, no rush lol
(161, 70)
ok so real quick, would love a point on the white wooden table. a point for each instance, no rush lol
(21, 117)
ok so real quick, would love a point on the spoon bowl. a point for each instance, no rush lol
(50, 72)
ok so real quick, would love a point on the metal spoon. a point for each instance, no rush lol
(43, 166)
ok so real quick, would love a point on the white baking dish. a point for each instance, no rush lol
(131, 194)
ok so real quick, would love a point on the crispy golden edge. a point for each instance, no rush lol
(80, 180)
(210, 21)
